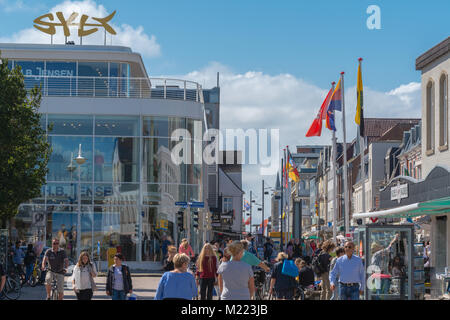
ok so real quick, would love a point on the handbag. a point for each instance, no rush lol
(289, 268)
(93, 285)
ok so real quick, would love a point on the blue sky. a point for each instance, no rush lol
(276, 58)
(311, 40)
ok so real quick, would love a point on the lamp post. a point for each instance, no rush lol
(80, 161)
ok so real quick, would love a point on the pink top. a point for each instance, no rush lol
(187, 251)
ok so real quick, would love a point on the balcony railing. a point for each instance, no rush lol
(114, 87)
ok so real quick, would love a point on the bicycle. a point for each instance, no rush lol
(35, 277)
(260, 280)
(54, 285)
(12, 289)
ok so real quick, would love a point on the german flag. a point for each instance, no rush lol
(359, 119)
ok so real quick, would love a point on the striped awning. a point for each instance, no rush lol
(433, 207)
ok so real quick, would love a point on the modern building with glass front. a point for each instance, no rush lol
(100, 99)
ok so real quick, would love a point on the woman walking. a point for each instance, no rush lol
(186, 248)
(168, 264)
(83, 281)
(118, 282)
(282, 285)
(206, 271)
(236, 280)
(178, 284)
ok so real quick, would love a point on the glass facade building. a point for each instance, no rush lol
(126, 190)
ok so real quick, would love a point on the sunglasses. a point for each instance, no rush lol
(55, 242)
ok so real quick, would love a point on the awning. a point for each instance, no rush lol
(438, 206)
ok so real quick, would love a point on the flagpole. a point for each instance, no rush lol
(281, 206)
(289, 198)
(334, 178)
(346, 200)
(363, 164)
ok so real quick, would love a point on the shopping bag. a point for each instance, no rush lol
(214, 292)
(132, 297)
(289, 268)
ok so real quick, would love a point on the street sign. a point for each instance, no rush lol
(181, 203)
(197, 204)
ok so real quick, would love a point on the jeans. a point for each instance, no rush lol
(119, 295)
(349, 292)
(29, 271)
(206, 288)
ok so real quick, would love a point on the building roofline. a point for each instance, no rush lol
(432, 54)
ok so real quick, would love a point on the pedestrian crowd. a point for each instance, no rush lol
(227, 269)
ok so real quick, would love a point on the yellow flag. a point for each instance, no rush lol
(359, 118)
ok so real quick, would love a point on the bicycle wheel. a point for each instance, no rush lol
(54, 294)
(12, 289)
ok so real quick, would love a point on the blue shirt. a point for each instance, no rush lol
(348, 271)
(176, 285)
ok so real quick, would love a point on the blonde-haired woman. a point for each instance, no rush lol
(178, 284)
(168, 264)
(186, 248)
(84, 273)
(206, 271)
(282, 285)
(236, 280)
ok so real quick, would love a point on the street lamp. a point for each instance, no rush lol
(80, 161)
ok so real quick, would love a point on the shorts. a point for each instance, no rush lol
(59, 280)
(287, 294)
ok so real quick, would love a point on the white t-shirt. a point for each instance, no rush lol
(118, 278)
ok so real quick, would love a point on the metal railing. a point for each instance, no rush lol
(115, 87)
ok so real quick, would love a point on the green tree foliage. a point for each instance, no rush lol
(24, 149)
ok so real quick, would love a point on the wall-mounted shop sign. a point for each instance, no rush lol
(49, 27)
(399, 192)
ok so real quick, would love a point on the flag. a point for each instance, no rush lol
(359, 118)
(316, 126)
(247, 222)
(336, 98)
(292, 168)
(330, 120)
(335, 104)
(246, 205)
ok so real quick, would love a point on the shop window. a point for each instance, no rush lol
(71, 124)
(117, 126)
(156, 126)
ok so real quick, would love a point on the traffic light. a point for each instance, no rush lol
(180, 220)
(136, 229)
(195, 219)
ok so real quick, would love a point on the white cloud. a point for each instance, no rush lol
(258, 100)
(136, 38)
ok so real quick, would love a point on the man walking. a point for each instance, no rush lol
(349, 271)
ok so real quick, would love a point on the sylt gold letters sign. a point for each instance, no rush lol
(82, 32)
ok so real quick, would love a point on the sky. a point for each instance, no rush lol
(276, 58)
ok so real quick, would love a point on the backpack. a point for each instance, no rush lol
(317, 268)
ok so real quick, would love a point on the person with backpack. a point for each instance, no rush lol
(324, 259)
(281, 284)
